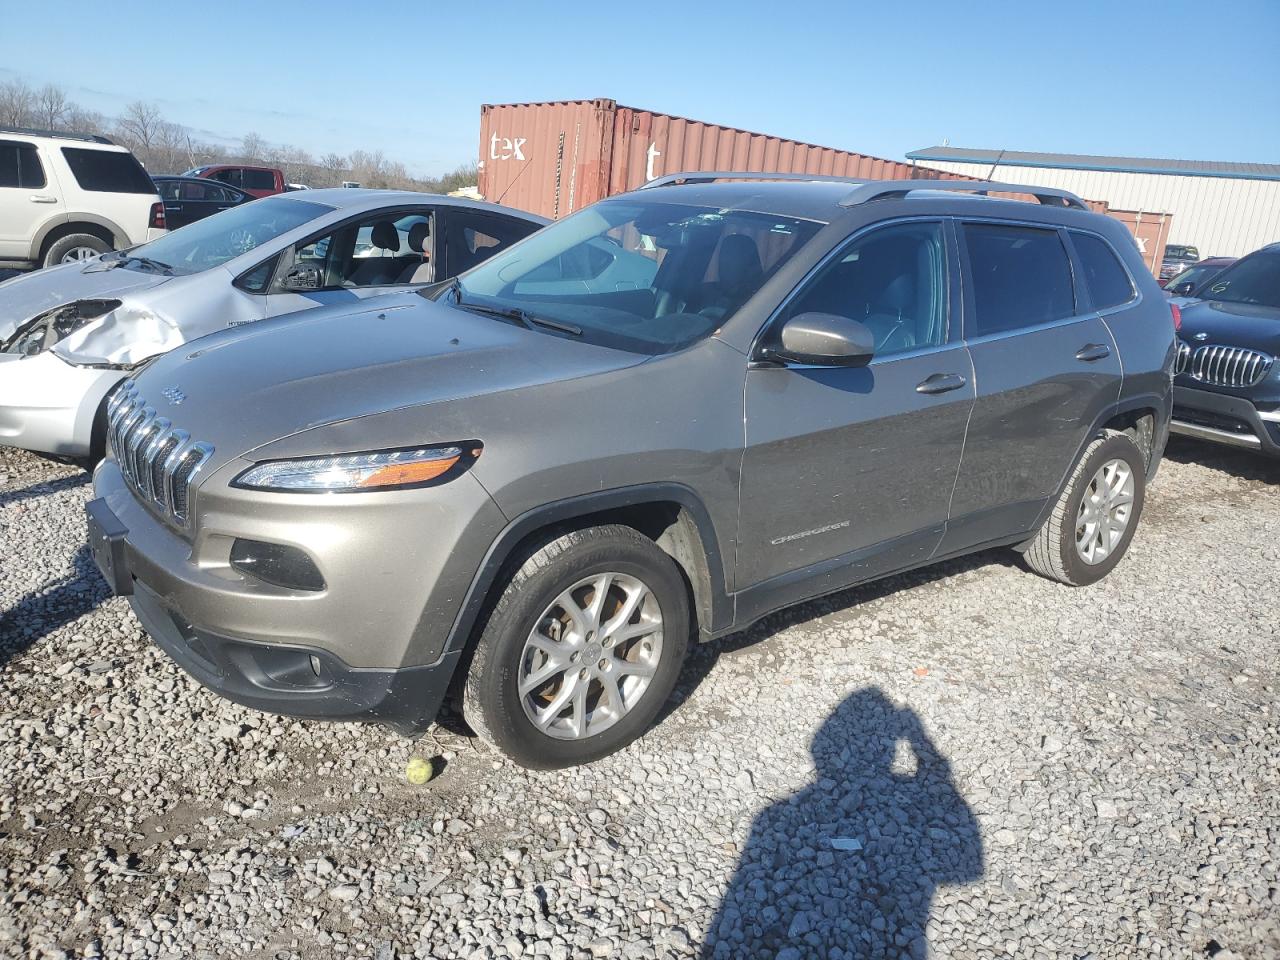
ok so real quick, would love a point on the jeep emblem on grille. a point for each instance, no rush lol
(173, 395)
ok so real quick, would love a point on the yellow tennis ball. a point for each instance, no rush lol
(418, 770)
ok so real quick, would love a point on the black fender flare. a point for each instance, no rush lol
(717, 608)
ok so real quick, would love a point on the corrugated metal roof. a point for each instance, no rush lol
(1076, 161)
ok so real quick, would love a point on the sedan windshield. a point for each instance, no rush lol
(215, 240)
(639, 276)
(1255, 279)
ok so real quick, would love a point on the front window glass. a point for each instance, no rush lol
(217, 239)
(1255, 279)
(384, 250)
(646, 277)
(893, 280)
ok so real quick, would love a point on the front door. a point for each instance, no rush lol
(848, 472)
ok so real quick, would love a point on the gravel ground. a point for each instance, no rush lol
(968, 761)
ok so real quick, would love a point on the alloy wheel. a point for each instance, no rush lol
(1104, 512)
(591, 656)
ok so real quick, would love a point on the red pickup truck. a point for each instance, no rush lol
(256, 181)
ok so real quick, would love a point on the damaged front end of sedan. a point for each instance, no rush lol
(44, 330)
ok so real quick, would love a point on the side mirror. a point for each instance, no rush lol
(826, 340)
(1183, 289)
(302, 277)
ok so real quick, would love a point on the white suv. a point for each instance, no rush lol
(67, 197)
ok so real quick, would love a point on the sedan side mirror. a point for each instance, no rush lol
(302, 277)
(1183, 289)
(825, 340)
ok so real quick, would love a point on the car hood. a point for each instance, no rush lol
(1231, 324)
(245, 387)
(29, 294)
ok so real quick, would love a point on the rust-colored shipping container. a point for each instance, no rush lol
(555, 158)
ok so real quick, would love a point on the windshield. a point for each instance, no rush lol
(1176, 252)
(639, 276)
(1255, 279)
(223, 236)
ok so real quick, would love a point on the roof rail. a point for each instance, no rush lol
(58, 134)
(708, 176)
(898, 190)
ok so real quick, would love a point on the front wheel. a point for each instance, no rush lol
(581, 651)
(1094, 520)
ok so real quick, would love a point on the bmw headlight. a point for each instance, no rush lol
(358, 472)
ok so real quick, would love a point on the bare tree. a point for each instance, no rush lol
(333, 169)
(80, 120)
(17, 104)
(51, 107)
(252, 146)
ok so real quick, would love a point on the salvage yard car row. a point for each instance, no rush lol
(522, 483)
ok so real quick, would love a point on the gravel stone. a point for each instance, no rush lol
(1027, 770)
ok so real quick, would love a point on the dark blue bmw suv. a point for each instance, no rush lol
(1227, 384)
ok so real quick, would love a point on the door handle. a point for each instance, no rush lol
(41, 198)
(940, 383)
(1093, 351)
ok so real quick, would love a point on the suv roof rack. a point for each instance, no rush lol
(867, 190)
(57, 134)
(707, 176)
(898, 190)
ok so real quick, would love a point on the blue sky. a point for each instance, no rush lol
(882, 78)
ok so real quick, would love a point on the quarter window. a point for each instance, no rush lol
(259, 180)
(893, 280)
(1021, 277)
(1109, 283)
(108, 171)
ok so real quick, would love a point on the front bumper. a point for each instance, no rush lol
(1226, 419)
(49, 405)
(362, 648)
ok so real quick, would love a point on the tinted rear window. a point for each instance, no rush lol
(1108, 281)
(1021, 276)
(259, 180)
(107, 171)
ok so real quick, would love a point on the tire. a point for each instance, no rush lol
(66, 247)
(573, 565)
(1059, 548)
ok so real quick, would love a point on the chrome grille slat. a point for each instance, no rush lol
(1222, 366)
(157, 460)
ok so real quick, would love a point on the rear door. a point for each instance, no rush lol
(27, 198)
(187, 201)
(848, 472)
(1046, 368)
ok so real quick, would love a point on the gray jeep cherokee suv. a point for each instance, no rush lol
(665, 416)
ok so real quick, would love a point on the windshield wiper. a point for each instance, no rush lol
(513, 313)
(148, 263)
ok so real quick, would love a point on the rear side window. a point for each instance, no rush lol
(1021, 277)
(1108, 281)
(259, 180)
(20, 166)
(473, 238)
(107, 171)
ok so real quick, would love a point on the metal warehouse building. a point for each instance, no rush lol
(1223, 209)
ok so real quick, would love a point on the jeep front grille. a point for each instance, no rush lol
(157, 459)
(1227, 366)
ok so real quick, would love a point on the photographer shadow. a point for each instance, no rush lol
(848, 866)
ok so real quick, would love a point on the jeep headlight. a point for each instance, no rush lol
(358, 472)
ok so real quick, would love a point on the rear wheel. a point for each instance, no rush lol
(1094, 520)
(581, 651)
(73, 247)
